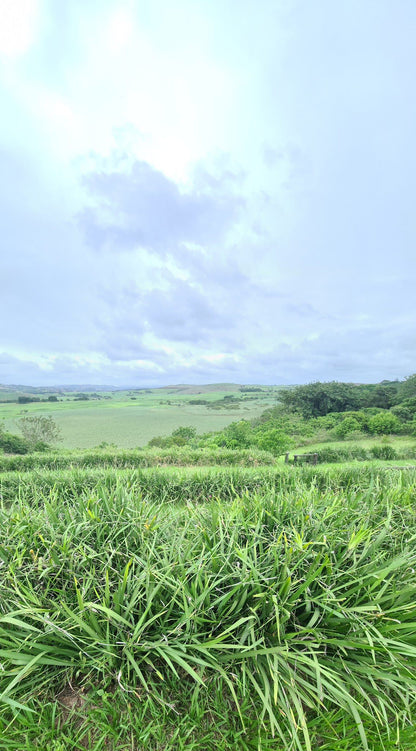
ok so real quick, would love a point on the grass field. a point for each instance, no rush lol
(214, 608)
(132, 418)
(398, 441)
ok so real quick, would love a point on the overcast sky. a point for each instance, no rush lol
(207, 190)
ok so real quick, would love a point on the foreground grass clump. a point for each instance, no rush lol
(282, 618)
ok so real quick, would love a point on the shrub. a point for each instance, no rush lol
(346, 427)
(275, 441)
(384, 452)
(329, 454)
(13, 444)
(39, 429)
(384, 423)
(359, 453)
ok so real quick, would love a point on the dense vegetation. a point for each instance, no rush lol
(317, 412)
(252, 609)
(201, 594)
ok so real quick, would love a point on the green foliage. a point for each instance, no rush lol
(124, 459)
(406, 410)
(317, 399)
(275, 441)
(384, 452)
(294, 605)
(181, 436)
(13, 444)
(407, 388)
(38, 430)
(346, 427)
(384, 423)
(185, 433)
(383, 395)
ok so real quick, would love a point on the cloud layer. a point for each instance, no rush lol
(176, 209)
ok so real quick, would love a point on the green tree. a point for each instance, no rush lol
(38, 429)
(184, 433)
(317, 399)
(407, 389)
(384, 395)
(406, 410)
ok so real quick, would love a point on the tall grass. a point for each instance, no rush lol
(293, 600)
(138, 458)
(178, 484)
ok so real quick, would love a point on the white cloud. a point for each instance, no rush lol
(17, 26)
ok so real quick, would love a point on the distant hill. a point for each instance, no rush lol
(203, 388)
(181, 388)
(15, 390)
(53, 389)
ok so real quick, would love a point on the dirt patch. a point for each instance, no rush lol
(71, 698)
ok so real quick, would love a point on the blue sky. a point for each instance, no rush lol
(204, 191)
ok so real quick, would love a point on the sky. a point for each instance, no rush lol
(207, 191)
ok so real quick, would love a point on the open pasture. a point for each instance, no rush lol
(133, 418)
(219, 608)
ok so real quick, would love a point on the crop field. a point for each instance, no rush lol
(131, 418)
(163, 608)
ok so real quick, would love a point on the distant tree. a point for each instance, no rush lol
(406, 410)
(52, 398)
(185, 431)
(384, 395)
(183, 435)
(318, 399)
(37, 429)
(407, 388)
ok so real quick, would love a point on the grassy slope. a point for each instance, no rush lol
(398, 441)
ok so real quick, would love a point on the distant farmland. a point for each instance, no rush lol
(132, 418)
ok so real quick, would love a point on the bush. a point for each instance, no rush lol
(275, 441)
(331, 455)
(353, 453)
(384, 423)
(384, 452)
(358, 453)
(13, 444)
(346, 427)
